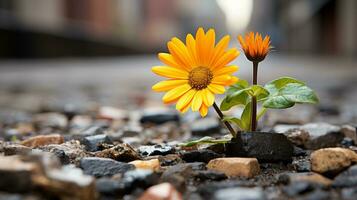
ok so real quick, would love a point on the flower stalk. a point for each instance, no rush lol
(226, 123)
(254, 122)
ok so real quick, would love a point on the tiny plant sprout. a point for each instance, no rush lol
(199, 69)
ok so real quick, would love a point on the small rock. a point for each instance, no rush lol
(156, 150)
(349, 193)
(298, 188)
(211, 175)
(111, 113)
(16, 149)
(317, 194)
(100, 167)
(68, 152)
(120, 152)
(322, 135)
(349, 132)
(347, 142)
(232, 167)
(347, 178)
(202, 155)
(332, 160)
(292, 178)
(302, 165)
(266, 147)
(92, 130)
(43, 140)
(239, 193)
(205, 126)
(159, 116)
(92, 143)
(163, 191)
(298, 137)
(169, 160)
(153, 164)
(16, 175)
(68, 182)
(53, 120)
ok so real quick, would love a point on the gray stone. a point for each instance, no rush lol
(16, 149)
(156, 150)
(100, 167)
(92, 143)
(239, 193)
(159, 116)
(347, 178)
(120, 152)
(202, 155)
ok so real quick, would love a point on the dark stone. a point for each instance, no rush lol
(302, 165)
(239, 193)
(203, 175)
(100, 167)
(169, 160)
(62, 156)
(266, 147)
(300, 152)
(93, 130)
(130, 181)
(316, 195)
(347, 178)
(202, 155)
(159, 117)
(16, 149)
(92, 143)
(17, 181)
(120, 152)
(205, 126)
(298, 188)
(347, 142)
(156, 150)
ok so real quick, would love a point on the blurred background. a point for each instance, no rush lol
(80, 51)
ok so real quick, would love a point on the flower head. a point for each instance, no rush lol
(254, 47)
(196, 71)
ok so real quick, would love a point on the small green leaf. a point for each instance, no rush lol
(275, 85)
(236, 95)
(246, 117)
(234, 120)
(259, 92)
(289, 94)
(205, 140)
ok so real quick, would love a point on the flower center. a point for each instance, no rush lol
(200, 77)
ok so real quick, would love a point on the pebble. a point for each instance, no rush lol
(159, 116)
(43, 140)
(53, 120)
(349, 193)
(302, 165)
(233, 167)
(163, 191)
(205, 126)
(239, 193)
(332, 160)
(120, 152)
(100, 167)
(212, 175)
(201, 155)
(292, 178)
(348, 178)
(93, 142)
(16, 149)
(349, 132)
(153, 164)
(153, 150)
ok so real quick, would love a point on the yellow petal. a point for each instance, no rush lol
(225, 70)
(209, 45)
(170, 72)
(197, 101)
(226, 58)
(185, 109)
(208, 97)
(169, 60)
(183, 51)
(175, 93)
(185, 99)
(203, 110)
(200, 45)
(223, 79)
(178, 54)
(216, 89)
(219, 49)
(167, 85)
(191, 47)
(232, 81)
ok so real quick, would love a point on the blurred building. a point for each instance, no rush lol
(53, 28)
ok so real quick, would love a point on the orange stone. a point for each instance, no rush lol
(43, 140)
(163, 191)
(153, 164)
(233, 167)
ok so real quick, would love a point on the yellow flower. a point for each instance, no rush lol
(254, 47)
(196, 71)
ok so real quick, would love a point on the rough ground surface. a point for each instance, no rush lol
(67, 143)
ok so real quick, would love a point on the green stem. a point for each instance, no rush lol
(254, 122)
(261, 113)
(228, 125)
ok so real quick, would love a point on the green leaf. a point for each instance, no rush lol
(275, 85)
(289, 94)
(259, 92)
(234, 120)
(205, 140)
(246, 117)
(236, 95)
